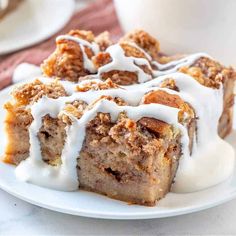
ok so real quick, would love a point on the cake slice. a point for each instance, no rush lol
(115, 118)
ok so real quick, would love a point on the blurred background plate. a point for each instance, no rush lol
(32, 22)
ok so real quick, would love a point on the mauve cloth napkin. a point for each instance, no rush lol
(98, 17)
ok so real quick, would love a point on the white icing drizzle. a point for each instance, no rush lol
(124, 63)
(206, 167)
(131, 64)
(83, 42)
(173, 66)
(88, 64)
(140, 49)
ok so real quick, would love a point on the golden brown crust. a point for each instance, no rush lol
(17, 122)
(144, 41)
(163, 58)
(212, 74)
(102, 59)
(103, 40)
(208, 72)
(170, 84)
(66, 62)
(119, 101)
(83, 34)
(32, 92)
(164, 98)
(132, 51)
(121, 77)
(76, 109)
(94, 85)
(171, 100)
(160, 128)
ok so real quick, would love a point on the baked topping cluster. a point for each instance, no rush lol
(69, 60)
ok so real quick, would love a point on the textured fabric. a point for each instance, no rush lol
(98, 17)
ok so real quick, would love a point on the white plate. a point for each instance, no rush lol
(97, 206)
(32, 22)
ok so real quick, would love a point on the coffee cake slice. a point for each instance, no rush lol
(114, 118)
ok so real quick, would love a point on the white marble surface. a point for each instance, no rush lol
(20, 218)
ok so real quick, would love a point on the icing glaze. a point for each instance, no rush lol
(123, 63)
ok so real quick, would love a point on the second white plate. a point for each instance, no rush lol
(32, 22)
